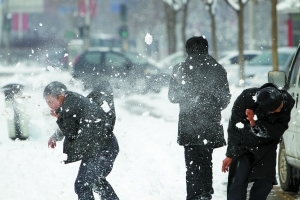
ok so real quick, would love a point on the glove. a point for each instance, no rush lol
(250, 116)
(51, 143)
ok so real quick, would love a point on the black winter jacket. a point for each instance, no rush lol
(85, 126)
(200, 86)
(259, 142)
(103, 95)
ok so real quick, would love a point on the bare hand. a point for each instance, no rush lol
(54, 114)
(226, 164)
(250, 116)
(51, 143)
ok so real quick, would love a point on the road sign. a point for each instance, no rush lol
(25, 6)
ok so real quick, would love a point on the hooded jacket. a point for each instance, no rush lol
(259, 142)
(200, 86)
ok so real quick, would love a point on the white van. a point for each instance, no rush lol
(289, 150)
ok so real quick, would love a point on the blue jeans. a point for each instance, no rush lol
(238, 187)
(93, 172)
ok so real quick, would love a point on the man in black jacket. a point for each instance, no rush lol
(259, 118)
(88, 132)
(200, 86)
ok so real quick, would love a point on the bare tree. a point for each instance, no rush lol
(171, 27)
(184, 21)
(172, 8)
(238, 7)
(274, 35)
(211, 8)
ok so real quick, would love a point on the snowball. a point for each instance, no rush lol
(255, 117)
(241, 82)
(148, 39)
(105, 106)
(240, 125)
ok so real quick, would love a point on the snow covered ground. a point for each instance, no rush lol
(150, 164)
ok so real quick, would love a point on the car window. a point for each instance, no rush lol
(92, 58)
(282, 58)
(137, 58)
(266, 59)
(248, 57)
(263, 59)
(295, 72)
(115, 60)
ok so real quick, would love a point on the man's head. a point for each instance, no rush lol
(54, 94)
(196, 45)
(270, 99)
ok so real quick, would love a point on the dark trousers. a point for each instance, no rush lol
(93, 172)
(238, 187)
(198, 161)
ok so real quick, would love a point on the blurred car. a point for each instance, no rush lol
(257, 70)
(125, 71)
(167, 63)
(232, 57)
(56, 58)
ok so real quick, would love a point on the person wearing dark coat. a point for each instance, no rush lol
(259, 118)
(86, 124)
(200, 86)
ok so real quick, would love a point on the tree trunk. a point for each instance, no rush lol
(241, 42)
(214, 37)
(274, 35)
(171, 27)
(184, 22)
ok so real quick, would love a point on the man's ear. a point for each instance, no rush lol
(61, 99)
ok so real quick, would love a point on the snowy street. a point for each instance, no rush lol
(150, 164)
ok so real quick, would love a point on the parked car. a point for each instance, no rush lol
(167, 63)
(289, 154)
(256, 70)
(232, 57)
(125, 71)
(57, 58)
(262, 64)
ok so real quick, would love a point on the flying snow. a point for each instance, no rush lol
(148, 39)
(240, 125)
(241, 82)
(105, 106)
(254, 98)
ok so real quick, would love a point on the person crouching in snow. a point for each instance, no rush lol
(252, 141)
(88, 136)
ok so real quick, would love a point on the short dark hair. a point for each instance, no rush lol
(196, 44)
(269, 98)
(55, 88)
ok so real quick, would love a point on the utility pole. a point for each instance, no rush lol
(7, 27)
(1, 22)
(123, 29)
(87, 24)
(252, 25)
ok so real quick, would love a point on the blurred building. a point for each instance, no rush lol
(289, 21)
